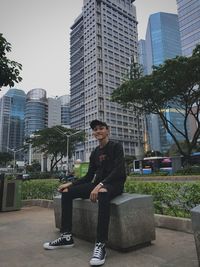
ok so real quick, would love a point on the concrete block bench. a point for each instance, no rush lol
(131, 222)
(195, 212)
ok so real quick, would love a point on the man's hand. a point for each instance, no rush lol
(64, 187)
(94, 193)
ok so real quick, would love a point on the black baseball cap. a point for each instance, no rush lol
(95, 123)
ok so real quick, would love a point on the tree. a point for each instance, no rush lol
(129, 163)
(174, 84)
(173, 150)
(5, 157)
(51, 142)
(34, 167)
(9, 70)
(153, 153)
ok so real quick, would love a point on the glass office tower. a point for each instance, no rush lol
(162, 42)
(142, 55)
(54, 112)
(103, 41)
(12, 110)
(65, 110)
(189, 23)
(162, 39)
(36, 111)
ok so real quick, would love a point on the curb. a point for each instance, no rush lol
(44, 203)
(161, 221)
(174, 223)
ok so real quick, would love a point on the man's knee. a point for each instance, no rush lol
(65, 190)
(103, 190)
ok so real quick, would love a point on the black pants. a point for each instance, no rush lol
(83, 191)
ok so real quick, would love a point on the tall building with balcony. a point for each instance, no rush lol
(12, 111)
(77, 111)
(103, 41)
(36, 111)
(162, 42)
(189, 23)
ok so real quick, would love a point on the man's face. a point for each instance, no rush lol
(100, 132)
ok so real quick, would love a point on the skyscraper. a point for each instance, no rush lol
(36, 115)
(103, 41)
(142, 55)
(162, 39)
(189, 23)
(12, 110)
(162, 42)
(54, 112)
(65, 110)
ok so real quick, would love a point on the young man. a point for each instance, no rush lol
(104, 181)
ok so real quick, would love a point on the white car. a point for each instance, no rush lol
(25, 176)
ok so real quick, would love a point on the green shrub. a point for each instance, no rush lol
(188, 171)
(170, 198)
(41, 175)
(39, 189)
(157, 173)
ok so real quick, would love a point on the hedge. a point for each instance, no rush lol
(39, 189)
(169, 198)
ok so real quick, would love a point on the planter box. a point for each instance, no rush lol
(10, 194)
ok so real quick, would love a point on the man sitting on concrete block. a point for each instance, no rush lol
(104, 180)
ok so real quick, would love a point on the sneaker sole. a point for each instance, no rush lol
(47, 247)
(95, 263)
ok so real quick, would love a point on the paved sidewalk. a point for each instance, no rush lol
(23, 232)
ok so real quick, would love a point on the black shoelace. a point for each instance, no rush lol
(98, 251)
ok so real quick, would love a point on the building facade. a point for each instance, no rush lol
(12, 111)
(65, 110)
(142, 55)
(54, 112)
(162, 42)
(36, 111)
(189, 23)
(103, 40)
(162, 39)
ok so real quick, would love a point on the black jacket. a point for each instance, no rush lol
(106, 165)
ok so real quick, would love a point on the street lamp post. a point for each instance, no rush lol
(30, 148)
(68, 137)
(14, 155)
(140, 148)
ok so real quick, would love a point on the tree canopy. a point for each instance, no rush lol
(53, 142)
(174, 84)
(5, 157)
(9, 70)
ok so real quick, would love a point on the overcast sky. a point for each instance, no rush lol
(39, 33)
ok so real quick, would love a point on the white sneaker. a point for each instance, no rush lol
(99, 254)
